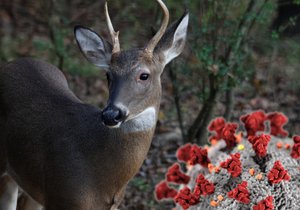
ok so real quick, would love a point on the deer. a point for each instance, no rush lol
(65, 154)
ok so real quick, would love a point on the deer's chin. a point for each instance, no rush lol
(148, 112)
(143, 121)
(114, 126)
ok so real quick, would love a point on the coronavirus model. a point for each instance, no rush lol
(258, 168)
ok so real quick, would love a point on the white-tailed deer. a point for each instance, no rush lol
(68, 155)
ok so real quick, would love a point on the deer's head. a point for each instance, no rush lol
(133, 75)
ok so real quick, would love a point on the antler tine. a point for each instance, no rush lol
(114, 35)
(153, 42)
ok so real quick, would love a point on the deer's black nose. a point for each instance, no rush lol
(112, 116)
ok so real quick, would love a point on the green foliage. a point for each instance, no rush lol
(297, 2)
(42, 45)
(140, 183)
(56, 50)
(224, 31)
(275, 35)
(220, 32)
(58, 41)
(80, 68)
(8, 48)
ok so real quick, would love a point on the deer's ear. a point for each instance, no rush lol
(173, 41)
(95, 49)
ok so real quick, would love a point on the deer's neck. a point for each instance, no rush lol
(132, 144)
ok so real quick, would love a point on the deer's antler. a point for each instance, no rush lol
(114, 35)
(153, 42)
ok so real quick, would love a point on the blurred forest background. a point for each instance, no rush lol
(241, 55)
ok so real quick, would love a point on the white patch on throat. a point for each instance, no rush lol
(144, 121)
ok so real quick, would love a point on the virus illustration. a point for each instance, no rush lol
(257, 169)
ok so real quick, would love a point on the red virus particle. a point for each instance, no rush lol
(278, 173)
(254, 122)
(296, 147)
(199, 156)
(228, 134)
(296, 139)
(260, 144)
(184, 153)
(233, 165)
(175, 175)
(240, 193)
(277, 121)
(266, 204)
(203, 186)
(216, 126)
(223, 130)
(185, 198)
(163, 191)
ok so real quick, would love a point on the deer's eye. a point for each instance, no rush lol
(144, 76)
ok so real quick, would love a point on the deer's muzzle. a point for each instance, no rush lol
(113, 116)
